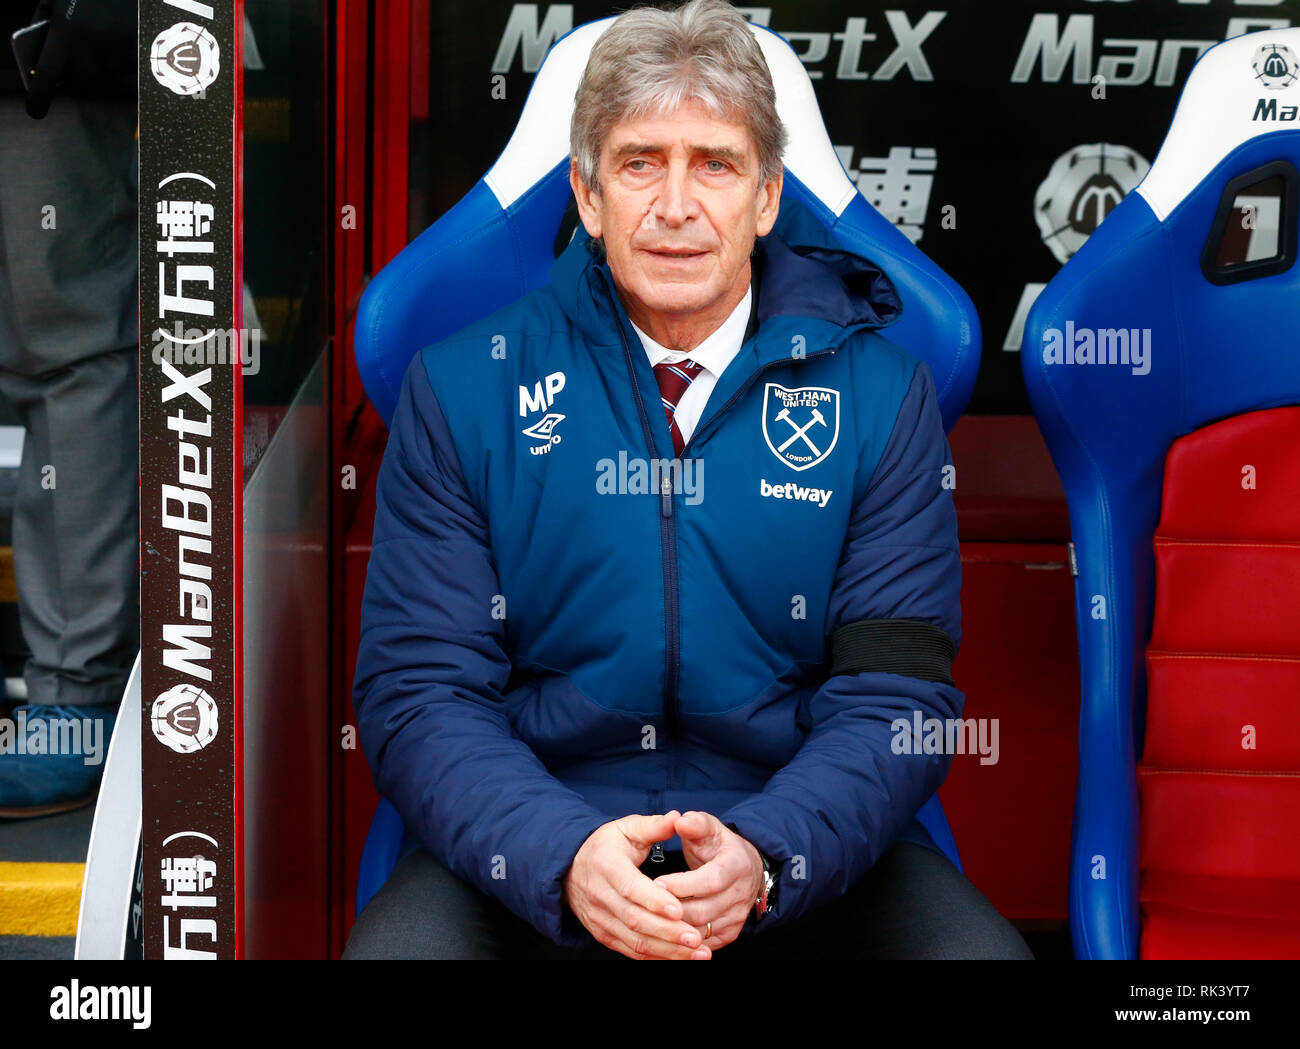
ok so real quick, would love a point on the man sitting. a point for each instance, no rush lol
(595, 675)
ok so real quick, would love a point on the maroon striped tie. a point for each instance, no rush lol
(673, 380)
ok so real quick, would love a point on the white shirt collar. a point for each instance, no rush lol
(716, 351)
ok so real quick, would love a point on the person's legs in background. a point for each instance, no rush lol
(68, 364)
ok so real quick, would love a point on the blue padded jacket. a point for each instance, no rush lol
(559, 630)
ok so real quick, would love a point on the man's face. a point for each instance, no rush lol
(679, 206)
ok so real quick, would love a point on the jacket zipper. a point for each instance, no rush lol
(668, 529)
(668, 534)
(656, 809)
(668, 549)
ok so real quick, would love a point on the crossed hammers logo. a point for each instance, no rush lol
(801, 432)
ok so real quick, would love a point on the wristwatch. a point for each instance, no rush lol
(766, 900)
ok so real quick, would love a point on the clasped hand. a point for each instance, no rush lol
(684, 915)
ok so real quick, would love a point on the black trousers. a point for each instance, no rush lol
(912, 904)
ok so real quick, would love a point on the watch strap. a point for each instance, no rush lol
(766, 900)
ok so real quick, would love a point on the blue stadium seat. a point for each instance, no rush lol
(497, 244)
(1164, 369)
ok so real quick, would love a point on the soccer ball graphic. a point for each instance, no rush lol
(185, 58)
(1085, 185)
(184, 718)
(1275, 67)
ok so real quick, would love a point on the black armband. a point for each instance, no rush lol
(893, 646)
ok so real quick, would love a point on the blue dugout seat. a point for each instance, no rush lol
(498, 243)
(1163, 366)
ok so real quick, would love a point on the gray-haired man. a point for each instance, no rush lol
(666, 704)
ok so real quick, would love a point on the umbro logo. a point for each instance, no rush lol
(540, 398)
(544, 430)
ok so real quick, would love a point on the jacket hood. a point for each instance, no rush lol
(802, 271)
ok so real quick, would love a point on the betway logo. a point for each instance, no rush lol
(1125, 62)
(790, 490)
(529, 34)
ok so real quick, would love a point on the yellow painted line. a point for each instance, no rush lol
(40, 899)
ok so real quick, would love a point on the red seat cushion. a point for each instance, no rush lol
(1219, 779)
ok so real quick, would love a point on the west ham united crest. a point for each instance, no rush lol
(800, 425)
